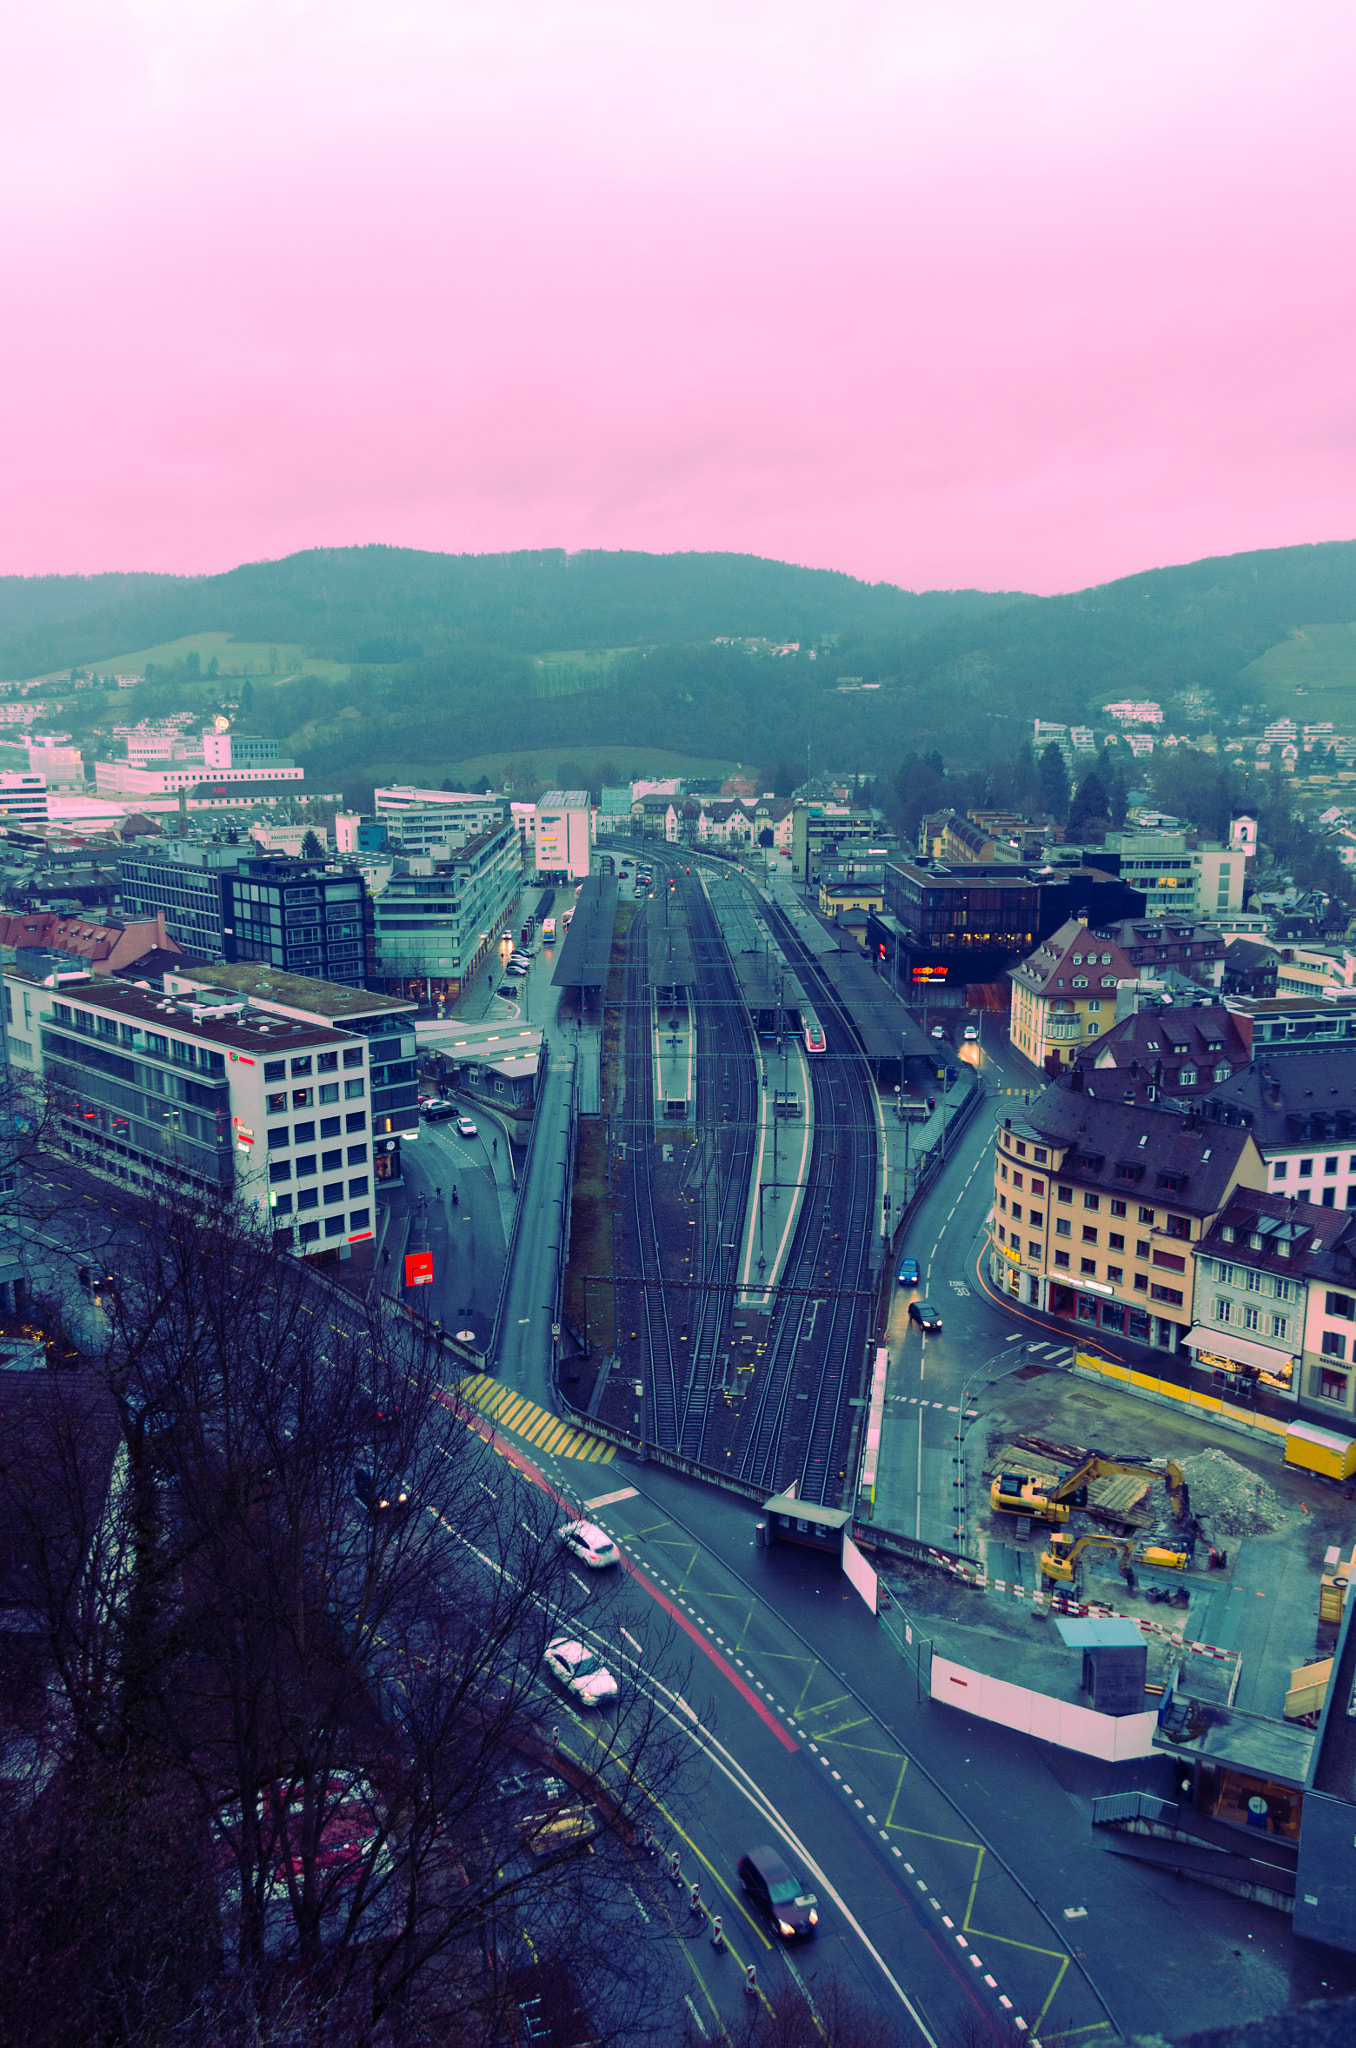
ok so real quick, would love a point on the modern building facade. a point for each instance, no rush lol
(434, 921)
(828, 834)
(22, 797)
(386, 1022)
(218, 1095)
(434, 820)
(223, 902)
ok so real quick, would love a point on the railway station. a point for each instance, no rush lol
(586, 954)
(670, 977)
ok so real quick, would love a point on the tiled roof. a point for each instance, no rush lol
(1310, 1233)
(1163, 1158)
(1145, 1055)
(1051, 969)
(1288, 1098)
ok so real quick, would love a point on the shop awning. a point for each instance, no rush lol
(1261, 1357)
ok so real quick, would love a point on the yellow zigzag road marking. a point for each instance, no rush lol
(537, 1426)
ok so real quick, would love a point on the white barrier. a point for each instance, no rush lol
(1113, 1737)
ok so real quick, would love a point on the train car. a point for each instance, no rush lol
(811, 1030)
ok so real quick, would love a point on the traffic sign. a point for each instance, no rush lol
(418, 1269)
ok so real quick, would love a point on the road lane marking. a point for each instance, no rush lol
(607, 1500)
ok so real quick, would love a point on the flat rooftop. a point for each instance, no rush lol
(257, 1032)
(256, 979)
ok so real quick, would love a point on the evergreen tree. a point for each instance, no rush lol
(1054, 782)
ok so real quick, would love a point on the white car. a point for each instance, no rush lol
(465, 1128)
(971, 1033)
(590, 1544)
(574, 1666)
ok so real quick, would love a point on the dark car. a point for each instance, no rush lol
(438, 1112)
(908, 1273)
(777, 1893)
(925, 1315)
(380, 1496)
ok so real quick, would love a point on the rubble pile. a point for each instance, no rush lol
(1230, 1500)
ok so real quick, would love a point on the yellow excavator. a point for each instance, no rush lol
(1058, 1563)
(1021, 1493)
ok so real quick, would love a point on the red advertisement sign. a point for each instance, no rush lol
(418, 1269)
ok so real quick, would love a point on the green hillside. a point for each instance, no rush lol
(365, 660)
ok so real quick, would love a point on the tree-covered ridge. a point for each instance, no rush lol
(382, 604)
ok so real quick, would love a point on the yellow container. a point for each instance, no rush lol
(1320, 1450)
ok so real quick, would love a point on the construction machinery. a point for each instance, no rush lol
(1058, 1562)
(1026, 1493)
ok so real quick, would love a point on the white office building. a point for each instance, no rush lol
(564, 835)
(22, 796)
(426, 821)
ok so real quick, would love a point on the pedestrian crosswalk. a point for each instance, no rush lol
(536, 1426)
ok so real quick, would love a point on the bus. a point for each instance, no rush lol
(548, 931)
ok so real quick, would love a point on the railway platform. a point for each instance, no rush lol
(780, 1170)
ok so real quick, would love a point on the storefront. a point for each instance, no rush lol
(1240, 1367)
(1093, 1305)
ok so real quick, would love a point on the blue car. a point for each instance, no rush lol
(908, 1272)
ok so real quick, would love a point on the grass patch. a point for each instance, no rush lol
(1319, 660)
(236, 658)
(591, 1211)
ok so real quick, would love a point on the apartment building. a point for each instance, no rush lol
(22, 797)
(1254, 1272)
(214, 1094)
(1165, 1054)
(1300, 1108)
(563, 836)
(1099, 1207)
(1064, 993)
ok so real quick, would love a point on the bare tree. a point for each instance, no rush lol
(296, 1602)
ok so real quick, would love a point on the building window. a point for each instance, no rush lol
(1036, 1218)
(1306, 1169)
(1332, 1386)
(1280, 1327)
(330, 1162)
(277, 1137)
(1066, 1194)
(1333, 1346)
(1141, 1283)
(1117, 1206)
(1116, 1274)
(1088, 1266)
(353, 1056)
(306, 1166)
(1343, 1305)
(1252, 1317)
(355, 1121)
(357, 1187)
(1279, 1169)
(1038, 1186)
(309, 1232)
(1002, 1171)
(359, 1220)
(1171, 1260)
(280, 1169)
(334, 1226)
(277, 1102)
(1033, 1250)
(329, 1126)
(1141, 1247)
(1017, 1212)
(301, 1098)
(1168, 1294)
(1089, 1233)
(1061, 1259)
(1146, 1215)
(1003, 1203)
(1091, 1202)
(1063, 1227)
(1178, 1226)
(282, 1205)
(354, 1090)
(1038, 1154)
(1330, 1165)
(1017, 1180)
(1115, 1240)
(357, 1155)
(329, 1091)
(309, 1198)
(1329, 1199)
(1223, 1310)
(333, 1191)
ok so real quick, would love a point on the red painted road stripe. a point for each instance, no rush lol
(722, 1664)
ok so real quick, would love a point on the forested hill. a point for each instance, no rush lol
(380, 604)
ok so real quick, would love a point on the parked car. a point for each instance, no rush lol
(590, 1544)
(776, 1891)
(506, 988)
(575, 1667)
(465, 1128)
(925, 1315)
(908, 1273)
(438, 1111)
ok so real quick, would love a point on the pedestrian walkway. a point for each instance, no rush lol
(536, 1426)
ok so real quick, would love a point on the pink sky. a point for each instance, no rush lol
(996, 292)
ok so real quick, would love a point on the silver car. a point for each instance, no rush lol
(575, 1667)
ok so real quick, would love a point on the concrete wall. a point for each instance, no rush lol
(1325, 1880)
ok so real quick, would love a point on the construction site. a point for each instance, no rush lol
(1130, 1588)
